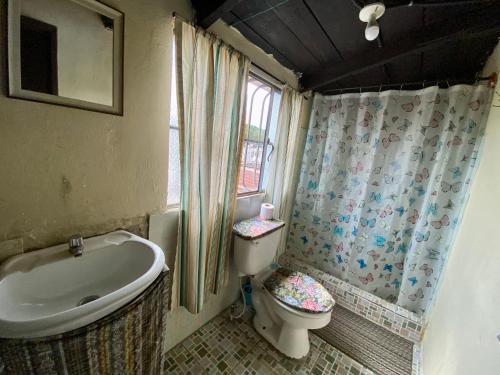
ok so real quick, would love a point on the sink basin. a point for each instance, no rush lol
(47, 292)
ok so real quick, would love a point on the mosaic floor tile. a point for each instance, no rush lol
(225, 346)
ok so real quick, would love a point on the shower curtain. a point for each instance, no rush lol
(384, 180)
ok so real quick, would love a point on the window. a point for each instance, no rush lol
(260, 128)
(263, 101)
(174, 168)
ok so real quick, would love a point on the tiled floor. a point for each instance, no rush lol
(233, 347)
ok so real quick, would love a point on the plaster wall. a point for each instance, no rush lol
(463, 334)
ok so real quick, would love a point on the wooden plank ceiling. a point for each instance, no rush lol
(323, 40)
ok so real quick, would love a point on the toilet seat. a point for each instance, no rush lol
(283, 321)
(299, 291)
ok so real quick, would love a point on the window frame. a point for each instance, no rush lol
(259, 75)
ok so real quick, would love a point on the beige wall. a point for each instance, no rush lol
(461, 338)
(65, 170)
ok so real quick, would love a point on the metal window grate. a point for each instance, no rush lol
(259, 106)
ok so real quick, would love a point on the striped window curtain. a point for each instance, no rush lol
(211, 81)
(284, 162)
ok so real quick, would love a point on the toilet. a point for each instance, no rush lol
(287, 303)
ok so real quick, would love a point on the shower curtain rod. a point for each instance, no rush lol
(492, 79)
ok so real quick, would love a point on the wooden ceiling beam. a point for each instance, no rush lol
(213, 11)
(251, 34)
(469, 26)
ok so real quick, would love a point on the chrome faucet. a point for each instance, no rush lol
(75, 243)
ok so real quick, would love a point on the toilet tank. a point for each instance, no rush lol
(255, 251)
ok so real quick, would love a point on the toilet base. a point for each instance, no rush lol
(283, 327)
(288, 339)
(292, 342)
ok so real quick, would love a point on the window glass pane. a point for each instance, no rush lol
(174, 171)
(257, 112)
(174, 176)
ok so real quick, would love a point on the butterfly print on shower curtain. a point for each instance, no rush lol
(383, 181)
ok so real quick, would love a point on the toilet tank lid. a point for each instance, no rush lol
(256, 227)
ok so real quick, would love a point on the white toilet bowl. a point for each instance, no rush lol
(283, 326)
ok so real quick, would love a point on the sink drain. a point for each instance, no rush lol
(87, 299)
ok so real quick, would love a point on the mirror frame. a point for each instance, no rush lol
(14, 60)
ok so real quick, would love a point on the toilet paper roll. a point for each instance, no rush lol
(266, 211)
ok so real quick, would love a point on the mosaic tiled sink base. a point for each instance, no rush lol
(234, 347)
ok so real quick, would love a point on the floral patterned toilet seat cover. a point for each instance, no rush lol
(299, 291)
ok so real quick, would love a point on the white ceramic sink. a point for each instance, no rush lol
(49, 291)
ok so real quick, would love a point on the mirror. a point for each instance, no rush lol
(66, 52)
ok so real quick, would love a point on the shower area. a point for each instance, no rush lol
(384, 180)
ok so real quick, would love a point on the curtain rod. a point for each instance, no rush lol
(492, 79)
(278, 82)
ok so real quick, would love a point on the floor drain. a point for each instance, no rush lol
(87, 299)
